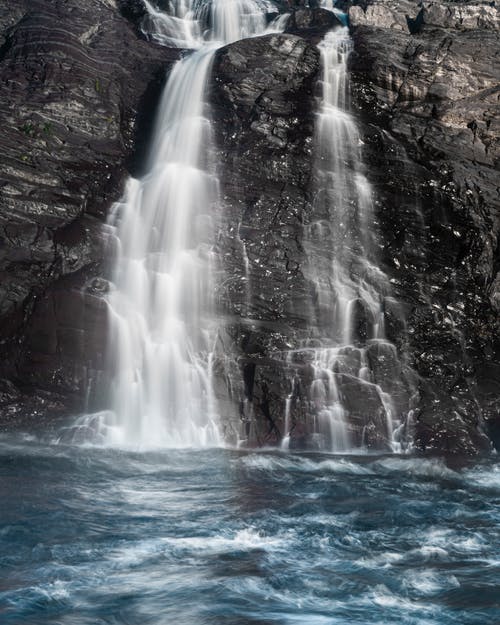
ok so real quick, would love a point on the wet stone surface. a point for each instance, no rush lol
(424, 85)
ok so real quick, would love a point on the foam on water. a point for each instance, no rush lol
(247, 539)
(96, 535)
(485, 479)
(429, 582)
(305, 465)
(432, 467)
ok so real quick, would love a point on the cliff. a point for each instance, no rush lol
(79, 86)
(426, 85)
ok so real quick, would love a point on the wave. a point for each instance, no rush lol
(306, 465)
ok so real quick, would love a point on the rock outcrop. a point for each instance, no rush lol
(73, 77)
(77, 83)
(425, 91)
(425, 80)
(263, 108)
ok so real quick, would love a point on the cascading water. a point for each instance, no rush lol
(350, 291)
(162, 306)
(163, 316)
(163, 322)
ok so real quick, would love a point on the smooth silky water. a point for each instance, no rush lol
(162, 314)
(350, 291)
(97, 537)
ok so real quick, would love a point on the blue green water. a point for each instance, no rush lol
(92, 536)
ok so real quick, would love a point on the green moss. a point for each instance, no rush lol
(28, 129)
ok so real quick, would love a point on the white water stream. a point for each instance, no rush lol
(162, 316)
(349, 287)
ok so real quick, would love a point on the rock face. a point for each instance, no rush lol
(263, 108)
(425, 92)
(424, 83)
(313, 23)
(265, 125)
(72, 78)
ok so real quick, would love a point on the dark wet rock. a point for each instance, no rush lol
(72, 78)
(263, 108)
(313, 23)
(41, 414)
(425, 92)
(264, 124)
(263, 112)
(133, 10)
(11, 12)
(428, 99)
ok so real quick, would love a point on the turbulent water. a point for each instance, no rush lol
(98, 537)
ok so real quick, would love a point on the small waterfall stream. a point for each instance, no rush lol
(350, 291)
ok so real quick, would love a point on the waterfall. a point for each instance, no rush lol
(347, 321)
(162, 310)
(163, 317)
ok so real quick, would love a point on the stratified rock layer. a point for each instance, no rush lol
(72, 78)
